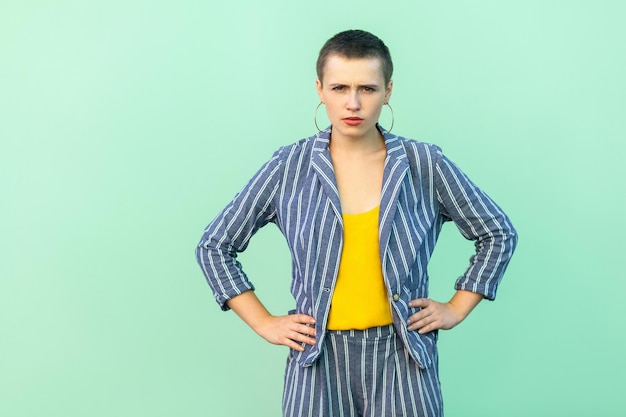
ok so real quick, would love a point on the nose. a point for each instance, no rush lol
(354, 101)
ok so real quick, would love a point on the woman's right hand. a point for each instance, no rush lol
(291, 330)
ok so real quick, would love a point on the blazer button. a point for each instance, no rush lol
(396, 297)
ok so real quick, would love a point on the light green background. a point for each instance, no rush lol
(126, 125)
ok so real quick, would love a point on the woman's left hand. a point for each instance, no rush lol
(435, 315)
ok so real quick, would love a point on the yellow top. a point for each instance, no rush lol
(360, 298)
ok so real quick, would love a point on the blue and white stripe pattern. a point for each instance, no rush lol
(365, 373)
(296, 190)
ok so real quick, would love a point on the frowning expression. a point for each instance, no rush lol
(354, 91)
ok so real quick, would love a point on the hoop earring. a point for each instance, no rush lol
(315, 116)
(392, 117)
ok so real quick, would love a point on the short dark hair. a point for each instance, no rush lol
(355, 44)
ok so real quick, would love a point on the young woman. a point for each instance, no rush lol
(361, 210)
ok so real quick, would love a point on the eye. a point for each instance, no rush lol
(338, 88)
(369, 89)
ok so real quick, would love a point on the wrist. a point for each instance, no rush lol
(463, 302)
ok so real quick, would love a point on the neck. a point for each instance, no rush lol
(371, 142)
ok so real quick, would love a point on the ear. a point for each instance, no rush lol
(388, 91)
(318, 85)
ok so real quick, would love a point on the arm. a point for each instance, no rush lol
(226, 236)
(290, 330)
(230, 232)
(478, 218)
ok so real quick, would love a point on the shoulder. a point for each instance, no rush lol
(416, 151)
(300, 150)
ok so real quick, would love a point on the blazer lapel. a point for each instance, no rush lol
(323, 166)
(396, 167)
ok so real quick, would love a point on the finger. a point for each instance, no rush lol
(420, 315)
(427, 328)
(299, 337)
(302, 318)
(431, 322)
(293, 345)
(296, 341)
(420, 302)
(304, 329)
(434, 324)
(418, 324)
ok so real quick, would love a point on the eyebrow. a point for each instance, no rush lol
(360, 85)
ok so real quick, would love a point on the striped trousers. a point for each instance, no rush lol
(364, 373)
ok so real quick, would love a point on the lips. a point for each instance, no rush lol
(352, 121)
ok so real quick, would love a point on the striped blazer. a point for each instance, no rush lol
(296, 190)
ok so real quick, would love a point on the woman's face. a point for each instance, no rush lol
(354, 92)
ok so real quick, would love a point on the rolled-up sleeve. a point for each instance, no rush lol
(479, 219)
(230, 232)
